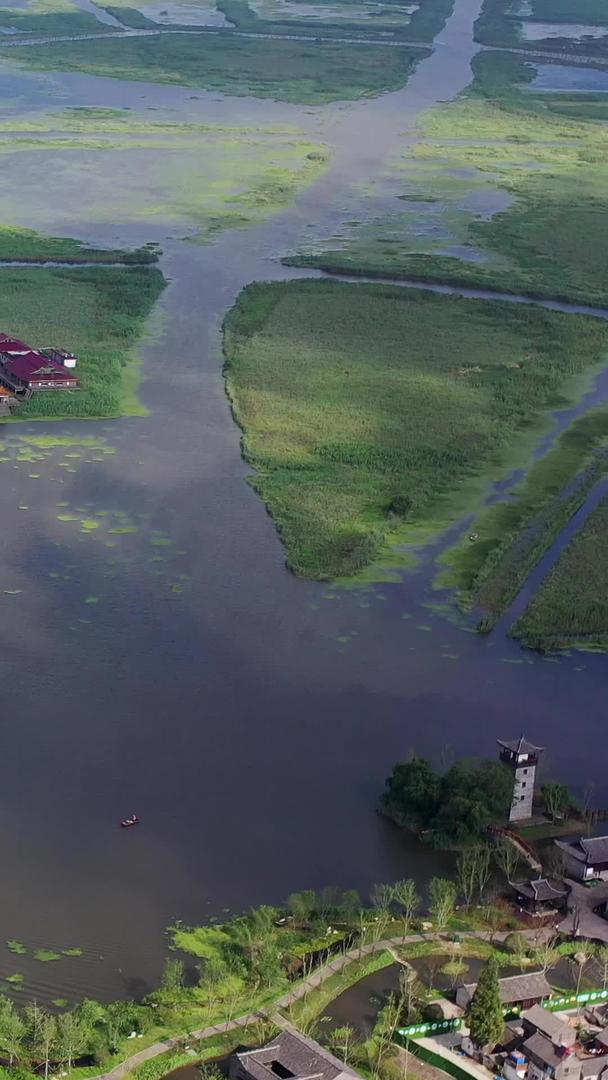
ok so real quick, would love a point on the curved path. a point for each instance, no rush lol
(311, 983)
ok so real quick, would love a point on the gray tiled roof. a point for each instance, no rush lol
(549, 1025)
(543, 1051)
(295, 1054)
(540, 889)
(520, 746)
(595, 848)
(586, 850)
(519, 987)
(594, 1067)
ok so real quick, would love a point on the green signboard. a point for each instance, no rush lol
(567, 1001)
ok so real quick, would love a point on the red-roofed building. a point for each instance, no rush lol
(12, 346)
(25, 370)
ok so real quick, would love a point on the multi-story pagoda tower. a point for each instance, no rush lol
(522, 757)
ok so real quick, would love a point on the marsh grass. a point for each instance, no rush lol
(571, 606)
(552, 241)
(368, 410)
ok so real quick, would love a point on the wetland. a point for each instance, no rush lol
(154, 644)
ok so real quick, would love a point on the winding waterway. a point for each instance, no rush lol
(249, 717)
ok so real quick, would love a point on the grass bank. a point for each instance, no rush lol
(26, 245)
(367, 410)
(99, 314)
(303, 72)
(571, 606)
(512, 536)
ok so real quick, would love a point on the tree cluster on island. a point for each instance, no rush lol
(456, 807)
(451, 808)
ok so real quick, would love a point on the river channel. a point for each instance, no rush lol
(179, 670)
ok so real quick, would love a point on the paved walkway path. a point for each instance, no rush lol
(473, 1068)
(582, 902)
(313, 981)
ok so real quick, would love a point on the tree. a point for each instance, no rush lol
(342, 1040)
(473, 796)
(584, 951)
(384, 1031)
(410, 989)
(173, 976)
(557, 799)
(48, 1039)
(382, 897)
(601, 958)
(350, 904)
(72, 1038)
(473, 871)
(507, 858)
(302, 906)
(545, 953)
(484, 869)
(484, 1014)
(12, 1030)
(442, 894)
(121, 1018)
(411, 793)
(406, 896)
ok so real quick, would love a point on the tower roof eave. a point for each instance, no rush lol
(520, 746)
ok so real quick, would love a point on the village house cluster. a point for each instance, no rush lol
(25, 370)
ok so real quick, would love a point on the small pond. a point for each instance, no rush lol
(536, 31)
(360, 1004)
(183, 13)
(555, 77)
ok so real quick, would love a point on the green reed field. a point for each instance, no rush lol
(304, 72)
(571, 607)
(369, 410)
(99, 314)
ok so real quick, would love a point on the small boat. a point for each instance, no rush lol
(128, 822)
